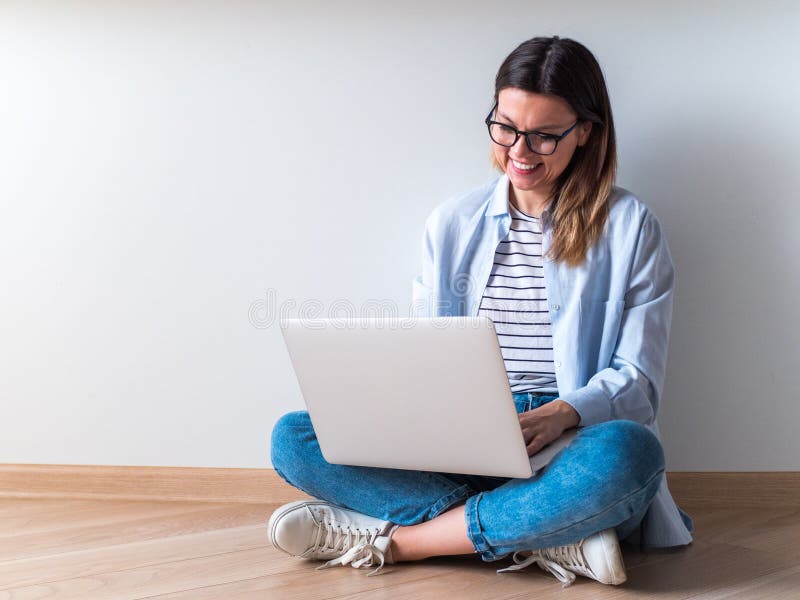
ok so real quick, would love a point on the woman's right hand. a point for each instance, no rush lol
(546, 423)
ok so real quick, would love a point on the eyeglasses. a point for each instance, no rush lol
(538, 142)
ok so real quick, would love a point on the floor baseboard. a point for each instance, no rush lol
(735, 489)
(197, 484)
(746, 489)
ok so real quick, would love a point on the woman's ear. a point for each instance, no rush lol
(584, 131)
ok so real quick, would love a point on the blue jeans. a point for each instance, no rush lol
(606, 477)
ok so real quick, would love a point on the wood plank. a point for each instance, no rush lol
(780, 585)
(443, 577)
(464, 583)
(106, 558)
(222, 572)
(123, 531)
(58, 519)
(306, 583)
(132, 584)
(772, 531)
(702, 568)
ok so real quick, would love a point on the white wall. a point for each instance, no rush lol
(171, 170)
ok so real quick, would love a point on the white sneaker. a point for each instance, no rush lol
(597, 557)
(315, 529)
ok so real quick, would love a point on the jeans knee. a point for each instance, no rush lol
(637, 452)
(288, 435)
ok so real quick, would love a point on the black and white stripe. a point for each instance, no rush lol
(515, 299)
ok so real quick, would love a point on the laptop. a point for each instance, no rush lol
(422, 393)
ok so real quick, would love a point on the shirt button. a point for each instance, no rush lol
(558, 364)
(555, 306)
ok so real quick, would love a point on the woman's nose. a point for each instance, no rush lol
(519, 148)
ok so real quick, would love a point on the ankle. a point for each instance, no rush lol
(395, 546)
(400, 548)
(391, 550)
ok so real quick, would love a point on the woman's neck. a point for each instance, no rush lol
(529, 202)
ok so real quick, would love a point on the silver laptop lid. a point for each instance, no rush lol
(409, 393)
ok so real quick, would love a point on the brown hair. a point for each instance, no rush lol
(565, 68)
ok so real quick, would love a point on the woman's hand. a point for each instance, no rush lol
(546, 423)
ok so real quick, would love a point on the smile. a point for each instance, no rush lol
(522, 167)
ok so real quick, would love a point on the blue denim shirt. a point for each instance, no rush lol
(610, 316)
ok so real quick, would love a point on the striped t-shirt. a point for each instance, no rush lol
(515, 299)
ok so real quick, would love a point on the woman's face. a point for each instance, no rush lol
(546, 114)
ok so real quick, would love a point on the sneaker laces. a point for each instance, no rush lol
(363, 554)
(563, 554)
(570, 556)
(357, 547)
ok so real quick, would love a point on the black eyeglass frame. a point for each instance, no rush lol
(548, 136)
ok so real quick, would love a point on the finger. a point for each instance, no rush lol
(533, 429)
(529, 434)
(534, 446)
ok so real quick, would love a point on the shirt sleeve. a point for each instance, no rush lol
(631, 386)
(422, 294)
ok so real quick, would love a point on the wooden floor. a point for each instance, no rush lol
(120, 550)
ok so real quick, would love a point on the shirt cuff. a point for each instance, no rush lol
(591, 403)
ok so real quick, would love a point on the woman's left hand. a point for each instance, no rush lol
(546, 423)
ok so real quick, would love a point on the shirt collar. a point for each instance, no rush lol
(498, 205)
(499, 202)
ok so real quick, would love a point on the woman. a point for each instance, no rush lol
(577, 277)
